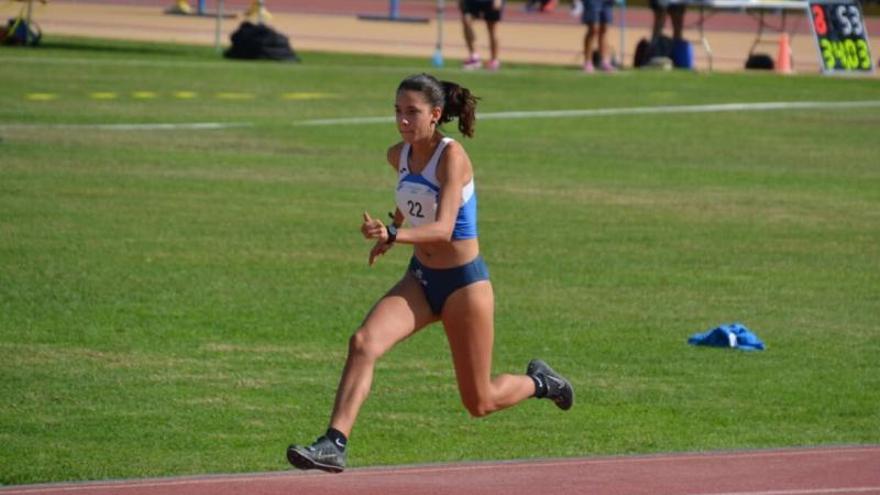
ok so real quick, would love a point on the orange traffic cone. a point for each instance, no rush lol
(783, 57)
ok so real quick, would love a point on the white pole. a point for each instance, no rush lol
(622, 61)
(260, 12)
(218, 29)
(27, 31)
(438, 49)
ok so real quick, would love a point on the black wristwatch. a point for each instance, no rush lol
(392, 233)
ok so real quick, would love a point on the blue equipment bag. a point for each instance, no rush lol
(734, 335)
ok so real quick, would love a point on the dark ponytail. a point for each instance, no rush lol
(456, 101)
(462, 104)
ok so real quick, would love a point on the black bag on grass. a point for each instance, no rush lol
(18, 32)
(760, 61)
(646, 50)
(258, 41)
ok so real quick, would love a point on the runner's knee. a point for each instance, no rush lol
(478, 407)
(363, 344)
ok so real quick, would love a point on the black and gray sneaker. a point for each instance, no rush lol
(323, 455)
(559, 390)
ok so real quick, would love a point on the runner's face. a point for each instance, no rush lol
(416, 118)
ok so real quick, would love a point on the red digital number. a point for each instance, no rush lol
(819, 21)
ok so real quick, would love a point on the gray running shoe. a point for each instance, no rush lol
(559, 390)
(323, 455)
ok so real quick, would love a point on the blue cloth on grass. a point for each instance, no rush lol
(733, 335)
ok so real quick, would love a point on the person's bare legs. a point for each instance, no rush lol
(589, 38)
(467, 25)
(468, 318)
(492, 29)
(659, 21)
(676, 17)
(402, 312)
(603, 47)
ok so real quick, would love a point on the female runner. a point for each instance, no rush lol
(447, 279)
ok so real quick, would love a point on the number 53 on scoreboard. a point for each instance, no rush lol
(841, 38)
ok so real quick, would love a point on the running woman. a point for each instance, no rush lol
(447, 279)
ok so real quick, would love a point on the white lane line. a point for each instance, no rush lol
(604, 112)
(536, 114)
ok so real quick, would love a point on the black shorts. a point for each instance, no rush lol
(674, 8)
(481, 9)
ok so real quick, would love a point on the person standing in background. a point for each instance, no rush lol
(490, 11)
(676, 15)
(597, 12)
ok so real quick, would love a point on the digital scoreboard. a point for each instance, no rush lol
(841, 38)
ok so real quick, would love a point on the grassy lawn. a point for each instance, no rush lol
(179, 301)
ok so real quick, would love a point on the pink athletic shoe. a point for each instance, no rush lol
(606, 67)
(472, 63)
(494, 65)
(588, 68)
(549, 6)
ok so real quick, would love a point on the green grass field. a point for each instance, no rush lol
(179, 301)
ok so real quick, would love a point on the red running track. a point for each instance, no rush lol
(824, 471)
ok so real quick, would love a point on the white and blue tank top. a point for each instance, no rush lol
(418, 194)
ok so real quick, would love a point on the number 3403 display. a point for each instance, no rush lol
(841, 37)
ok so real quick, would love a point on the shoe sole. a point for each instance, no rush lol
(302, 461)
(565, 403)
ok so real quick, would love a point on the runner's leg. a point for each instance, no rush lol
(468, 318)
(402, 312)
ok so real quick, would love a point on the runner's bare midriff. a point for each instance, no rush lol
(440, 255)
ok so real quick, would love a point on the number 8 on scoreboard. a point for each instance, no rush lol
(841, 37)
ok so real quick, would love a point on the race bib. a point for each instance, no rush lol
(418, 202)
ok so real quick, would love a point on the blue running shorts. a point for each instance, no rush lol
(439, 284)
